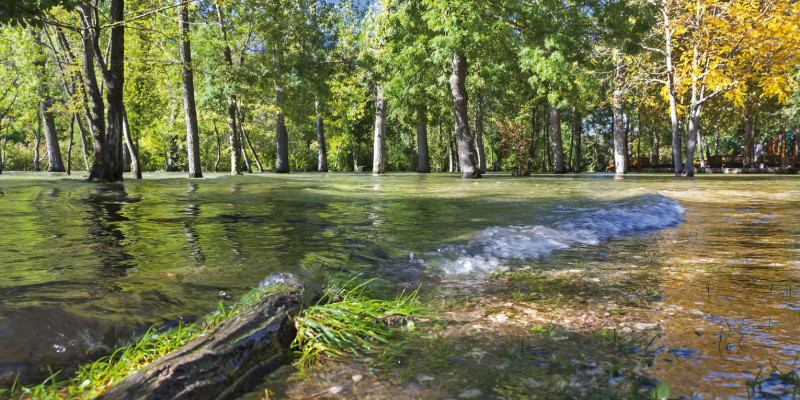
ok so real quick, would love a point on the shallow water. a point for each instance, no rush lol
(84, 264)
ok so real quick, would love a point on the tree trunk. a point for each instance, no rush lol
(282, 137)
(132, 150)
(466, 155)
(322, 150)
(379, 147)
(37, 138)
(672, 93)
(217, 140)
(55, 164)
(655, 155)
(450, 161)
(3, 145)
(187, 73)
(620, 141)
(236, 167)
(97, 123)
(556, 141)
(423, 155)
(244, 149)
(749, 147)
(246, 139)
(227, 362)
(578, 131)
(479, 134)
(114, 79)
(69, 144)
(702, 149)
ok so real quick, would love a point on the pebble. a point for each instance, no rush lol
(357, 378)
(641, 326)
(424, 378)
(336, 390)
(470, 394)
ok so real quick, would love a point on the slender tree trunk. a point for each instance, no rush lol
(336, 161)
(672, 93)
(236, 167)
(555, 140)
(424, 161)
(749, 147)
(244, 149)
(3, 145)
(187, 73)
(379, 147)
(69, 144)
(450, 158)
(578, 129)
(97, 123)
(423, 156)
(466, 155)
(246, 139)
(51, 140)
(620, 141)
(322, 150)
(132, 150)
(532, 147)
(716, 142)
(37, 138)
(84, 145)
(655, 157)
(701, 149)
(217, 140)
(282, 137)
(479, 134)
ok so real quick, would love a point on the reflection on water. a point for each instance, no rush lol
(85, 264)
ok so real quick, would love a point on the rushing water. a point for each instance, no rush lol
(86, 264)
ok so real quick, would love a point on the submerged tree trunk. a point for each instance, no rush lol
(578, 129)
(187, 73)
(555, 140)
(620, 140)
(282, 137)
(466, 155)
(114, 79)
(322, 150)
(132, 150)
(479, 134)
(379, 147)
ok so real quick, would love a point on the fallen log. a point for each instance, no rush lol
(227, 361)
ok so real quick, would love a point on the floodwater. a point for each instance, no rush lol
(86, 264)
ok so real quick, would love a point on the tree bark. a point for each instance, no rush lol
(672, 93)
(132, 150)
(620, 140)
(466, 155)
(3, 145)
(656, 144)
(578, 129)
(556, 141)
(69, 144)
(379, 146)
(217, 140)
(423, 155)
(226, 362)
(282, 137)
(749, 147)
(322, 150)
(246, 139)
(37, 138)
(114, 79)
(97, 122)
(190, 111)
(479, 134)
(55, 163)
(244, 149)
(236, 167)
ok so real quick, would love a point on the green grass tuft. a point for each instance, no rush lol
(350, 320)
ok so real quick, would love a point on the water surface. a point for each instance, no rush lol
(85, 264)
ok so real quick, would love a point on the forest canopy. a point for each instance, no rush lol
(396, 85)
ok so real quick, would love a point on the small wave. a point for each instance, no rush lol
(495, 246)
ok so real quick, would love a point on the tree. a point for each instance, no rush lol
(192, 133)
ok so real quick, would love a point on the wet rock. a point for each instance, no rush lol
(227, 361)
(641, 326)
(425, 378)
(470, 394)
(334, 390)
(357, 378)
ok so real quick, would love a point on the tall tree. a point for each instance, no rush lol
(187, 74)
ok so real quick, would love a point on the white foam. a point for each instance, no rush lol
(495, 246)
